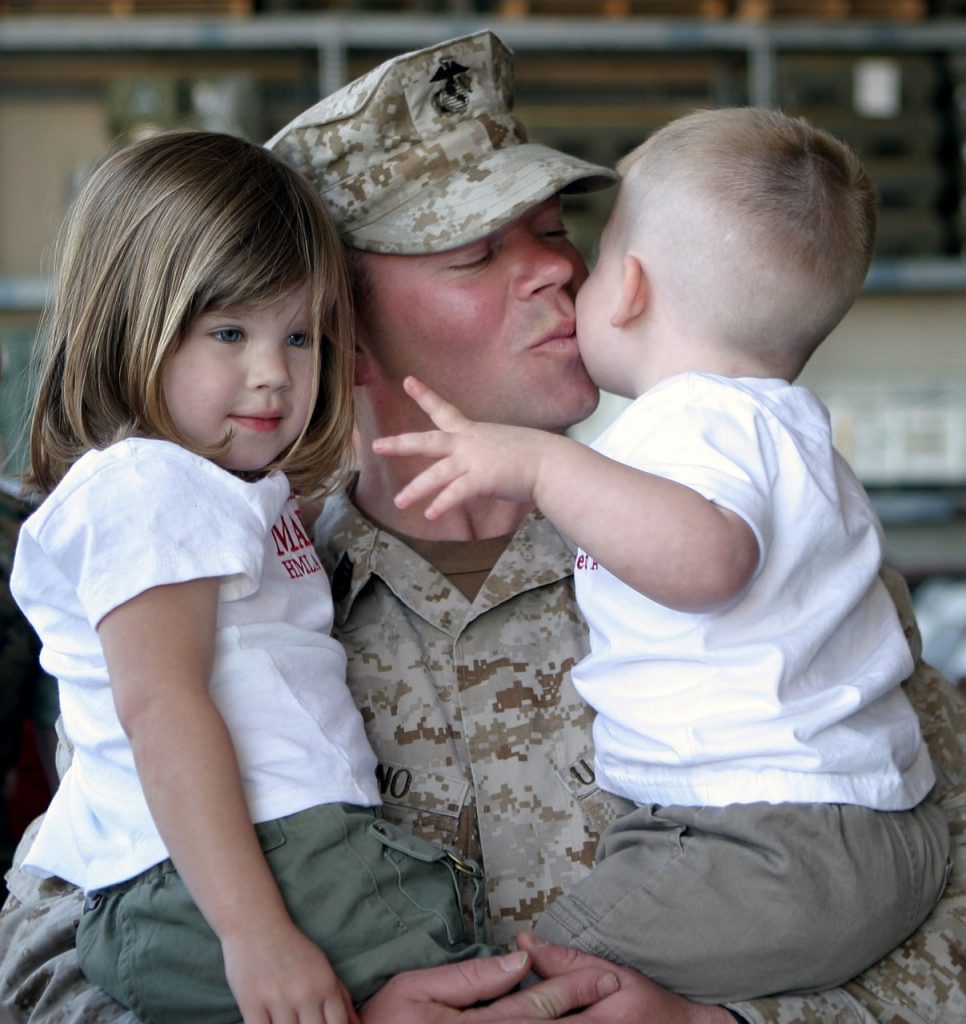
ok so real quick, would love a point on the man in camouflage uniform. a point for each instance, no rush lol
(461, 633)
(20, 674)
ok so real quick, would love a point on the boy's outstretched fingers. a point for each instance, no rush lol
(434, 444)
(444, 414)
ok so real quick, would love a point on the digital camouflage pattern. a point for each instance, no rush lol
(482, 692)
(483, 742)
(481, 737)
(423, 153)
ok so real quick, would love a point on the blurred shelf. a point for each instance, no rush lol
(921, 550)
(919, 276)
(333, 34)
(925, 529)
(23, 294)
(333, 45)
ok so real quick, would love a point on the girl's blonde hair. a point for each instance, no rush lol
(165, 230)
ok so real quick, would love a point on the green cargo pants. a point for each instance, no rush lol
(376, 900)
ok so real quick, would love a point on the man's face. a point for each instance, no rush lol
(490, 326)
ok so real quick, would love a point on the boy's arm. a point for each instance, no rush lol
(661, 538)
(159, 649)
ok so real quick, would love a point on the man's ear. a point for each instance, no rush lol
(634, 293)
(365, 366)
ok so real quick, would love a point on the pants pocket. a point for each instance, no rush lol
(436, 881)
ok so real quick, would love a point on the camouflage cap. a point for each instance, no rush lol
(423, 153)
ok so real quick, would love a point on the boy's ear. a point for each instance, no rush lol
(634, 293)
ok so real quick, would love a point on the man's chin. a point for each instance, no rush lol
(563, 417)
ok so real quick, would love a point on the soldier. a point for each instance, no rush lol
(27, 693)
(461, 634)
(18, 655)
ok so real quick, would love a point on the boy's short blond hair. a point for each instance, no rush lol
(766, 223)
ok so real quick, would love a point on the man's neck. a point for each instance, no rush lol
(381, 479)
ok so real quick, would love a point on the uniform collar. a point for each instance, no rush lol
(354, 550)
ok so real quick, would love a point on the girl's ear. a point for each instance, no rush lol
(634, 293)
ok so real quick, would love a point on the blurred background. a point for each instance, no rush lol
(81, 77)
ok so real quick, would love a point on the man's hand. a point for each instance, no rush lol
(451, 994)
(582, 988)
(637, 1000)
(472, 460)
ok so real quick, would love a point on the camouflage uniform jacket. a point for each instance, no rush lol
(484, 743)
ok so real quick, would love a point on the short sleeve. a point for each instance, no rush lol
(716, 443)
(148, 513)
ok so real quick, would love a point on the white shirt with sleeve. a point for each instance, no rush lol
(791, 693)
(140, 514)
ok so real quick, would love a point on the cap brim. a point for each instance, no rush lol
(477, 200)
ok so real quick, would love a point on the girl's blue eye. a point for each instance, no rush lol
(299, 340)
(228, 334)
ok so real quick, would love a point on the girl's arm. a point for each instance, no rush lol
(661, 538)
(159, 649)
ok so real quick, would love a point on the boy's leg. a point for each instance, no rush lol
(725, 904)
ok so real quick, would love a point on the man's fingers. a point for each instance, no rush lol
(437, 993)
(550, 999)
(550, 960)
(484, 978)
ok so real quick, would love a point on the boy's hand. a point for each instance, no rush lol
(473, 460)
(283, 976)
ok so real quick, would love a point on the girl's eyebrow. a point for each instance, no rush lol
(217, 311)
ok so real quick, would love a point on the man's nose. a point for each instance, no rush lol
(548, 265)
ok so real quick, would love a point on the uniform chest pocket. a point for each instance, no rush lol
(430, 804)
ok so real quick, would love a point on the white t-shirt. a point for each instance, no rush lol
(792, 692)
(145, 513)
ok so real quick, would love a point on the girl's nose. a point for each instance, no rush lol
(270, 368)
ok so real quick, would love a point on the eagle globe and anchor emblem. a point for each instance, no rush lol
(454, 97)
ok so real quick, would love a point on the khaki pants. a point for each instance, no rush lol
(729, 903)
(376, 900)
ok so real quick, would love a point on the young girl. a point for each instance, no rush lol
(197, 371)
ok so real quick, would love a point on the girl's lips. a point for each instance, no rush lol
(260, 424)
